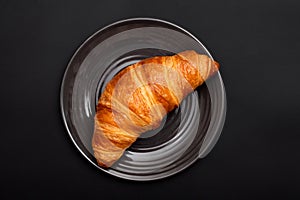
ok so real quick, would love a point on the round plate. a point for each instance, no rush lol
(187, 133)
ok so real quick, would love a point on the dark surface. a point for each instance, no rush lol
(256, 42)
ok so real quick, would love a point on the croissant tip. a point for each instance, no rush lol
(217, 65)
(101, 164)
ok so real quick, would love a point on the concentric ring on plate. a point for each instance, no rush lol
(186, 134)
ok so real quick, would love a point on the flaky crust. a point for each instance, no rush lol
(139, 96)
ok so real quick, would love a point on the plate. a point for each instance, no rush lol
(186, 134)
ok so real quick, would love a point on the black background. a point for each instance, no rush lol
(257, 43)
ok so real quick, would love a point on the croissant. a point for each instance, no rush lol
(139, 96)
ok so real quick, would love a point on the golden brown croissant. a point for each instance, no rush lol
(139, 96)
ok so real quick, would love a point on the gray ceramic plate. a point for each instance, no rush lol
(186, 134)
